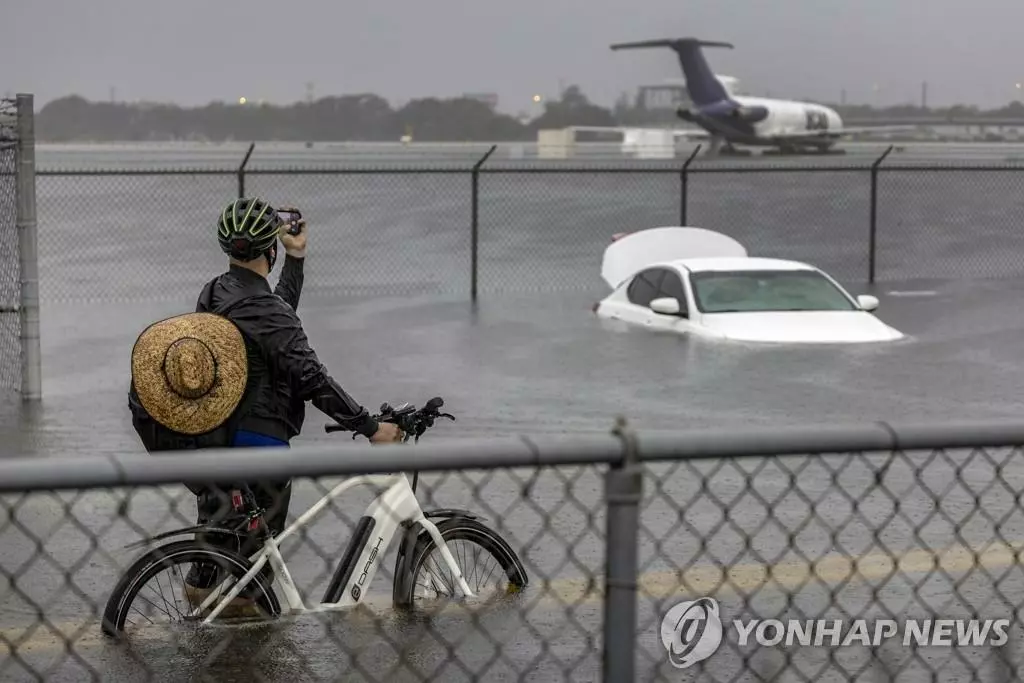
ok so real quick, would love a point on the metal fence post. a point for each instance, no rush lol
(623, 485)
(25, 219)
(873, 224)
(684, 187)
(474, 221)
(241, 170)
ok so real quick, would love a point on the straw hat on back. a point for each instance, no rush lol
(190, 371)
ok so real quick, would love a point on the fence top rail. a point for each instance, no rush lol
(33, 474)
(225, 171)
(512, 168)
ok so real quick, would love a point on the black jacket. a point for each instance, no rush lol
(284, 371)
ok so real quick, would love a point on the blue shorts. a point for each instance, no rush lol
(249, 439)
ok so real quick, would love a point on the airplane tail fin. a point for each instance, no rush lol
(701, 83)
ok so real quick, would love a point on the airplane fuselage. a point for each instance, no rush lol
(761, 121)
(786, 117)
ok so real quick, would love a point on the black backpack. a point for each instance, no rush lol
(157, 438)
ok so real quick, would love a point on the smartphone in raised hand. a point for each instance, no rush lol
(292, 218)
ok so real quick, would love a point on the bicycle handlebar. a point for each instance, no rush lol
(411, 421)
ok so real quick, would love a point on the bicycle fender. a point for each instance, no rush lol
(403, 558)
(449, 512)
(199, 528)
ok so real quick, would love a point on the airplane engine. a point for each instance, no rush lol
(750, 114)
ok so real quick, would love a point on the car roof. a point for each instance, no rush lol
(697, 265)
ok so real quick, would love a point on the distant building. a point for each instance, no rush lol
(656, 104)
(672, 93)
(663, 96)
(488, 98)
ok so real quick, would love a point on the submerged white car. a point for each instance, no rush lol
(694, 281)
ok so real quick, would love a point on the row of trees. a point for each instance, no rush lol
(363, 117)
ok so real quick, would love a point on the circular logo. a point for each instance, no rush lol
(691, 632)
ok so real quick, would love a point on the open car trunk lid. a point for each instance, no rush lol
(635, 251)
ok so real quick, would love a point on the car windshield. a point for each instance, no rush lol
(772, 290)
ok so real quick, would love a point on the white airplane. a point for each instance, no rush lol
(728, 118)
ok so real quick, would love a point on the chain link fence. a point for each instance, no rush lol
(116, 238)
(544, 228)
(819, 216)
(380, 233)
(445, 229)
(10, 282)
(831, 553)
(950, 222)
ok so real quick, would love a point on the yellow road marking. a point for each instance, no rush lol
(704, 580)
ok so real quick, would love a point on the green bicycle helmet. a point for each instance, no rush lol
(248, 228)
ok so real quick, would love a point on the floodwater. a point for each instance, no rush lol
(386, 306)
(541, 363)
(523, 364)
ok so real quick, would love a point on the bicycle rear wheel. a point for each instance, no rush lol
(169, 597)
(470, 542)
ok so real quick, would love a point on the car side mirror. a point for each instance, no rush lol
(867, 302)
(666, 305)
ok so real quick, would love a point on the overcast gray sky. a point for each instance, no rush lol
(194, 51)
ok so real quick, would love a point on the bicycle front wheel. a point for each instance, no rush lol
(154, 589)
(490, 567)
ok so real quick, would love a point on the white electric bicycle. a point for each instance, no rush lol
(395, 511)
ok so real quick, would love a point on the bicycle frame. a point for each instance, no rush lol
(383, 518)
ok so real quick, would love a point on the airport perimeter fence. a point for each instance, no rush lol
(20, 359)
(496, 226)
(825, 553)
